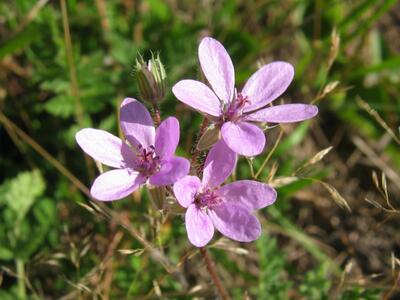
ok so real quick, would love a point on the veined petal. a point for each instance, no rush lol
(249, 193)
(218, 68)
(197, 95)
(105, 147)
(286, 113)
(235, 222)
(136, 123)
(199, 227)
(243, 138)
(171, 171)
(167, 137)
(116, 184)
(267, 84)
(185, 190)
(219, 164)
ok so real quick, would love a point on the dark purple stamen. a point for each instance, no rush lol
(147, 161)
(207, 199)
(235, 109)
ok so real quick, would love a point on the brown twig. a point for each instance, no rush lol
(209, 264)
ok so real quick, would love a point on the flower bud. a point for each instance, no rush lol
(157, 196)
(151, 79)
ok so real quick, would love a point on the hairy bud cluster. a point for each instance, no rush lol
(151, 79)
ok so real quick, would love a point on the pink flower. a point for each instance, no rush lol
(227, 208)
(234, 112)
(149, 156)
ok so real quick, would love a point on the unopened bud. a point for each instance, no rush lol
(174, 207)
(157, 196)
(151, 79)
(209, 138)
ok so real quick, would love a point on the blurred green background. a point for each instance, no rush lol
(332, 234)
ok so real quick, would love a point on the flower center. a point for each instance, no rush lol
(147, 161)
(207, 199)
(235, 109)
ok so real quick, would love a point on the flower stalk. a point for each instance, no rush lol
(209, 264)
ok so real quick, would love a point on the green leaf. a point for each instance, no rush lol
(61, 106)
(20, 193)
(19, 41)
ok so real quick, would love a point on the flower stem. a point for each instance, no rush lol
(157, 117)
(21, 279)
(209, 264)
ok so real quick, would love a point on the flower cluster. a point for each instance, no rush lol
(146, 155)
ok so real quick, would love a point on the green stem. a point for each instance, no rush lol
(21, 279)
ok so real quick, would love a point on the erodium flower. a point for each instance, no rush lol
(147, 156)
(228, 208)
(235, 112)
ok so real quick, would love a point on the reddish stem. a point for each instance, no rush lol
(157, 117)
(209, 264)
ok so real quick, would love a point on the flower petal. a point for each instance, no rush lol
(185, 189)
(167, 137)
(197, 95)
(199, 227)
(267, 84)
(116, 184)
(171, 171)
(105, 147)
(252, 194)
(286, 113)
(218, 68)
(235, 222)
(219, 164)
(243, 138)
(136, 123)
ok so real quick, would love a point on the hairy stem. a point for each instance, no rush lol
(210, 267)
(157, 117)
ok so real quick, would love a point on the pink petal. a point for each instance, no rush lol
(218, 68)
(219, 164)
(286, 113)
(199, 227)
(252, 194)
(185, 190)
(267, 84)
(105, 147)
(197, 95)
(167, 137)
(116, 184)
(171, 171)
(136, 123)
(243, 138)
(235, 222)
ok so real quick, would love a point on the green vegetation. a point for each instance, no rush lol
(333, 232)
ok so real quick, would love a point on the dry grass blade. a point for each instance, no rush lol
(282, 181)
(376, 160)
(134, 252)
(316, 158)
(364, 105)
(336, 196)
(335, 46)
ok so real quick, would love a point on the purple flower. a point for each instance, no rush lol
(234, 112)
(227, 208)
(149, 156)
